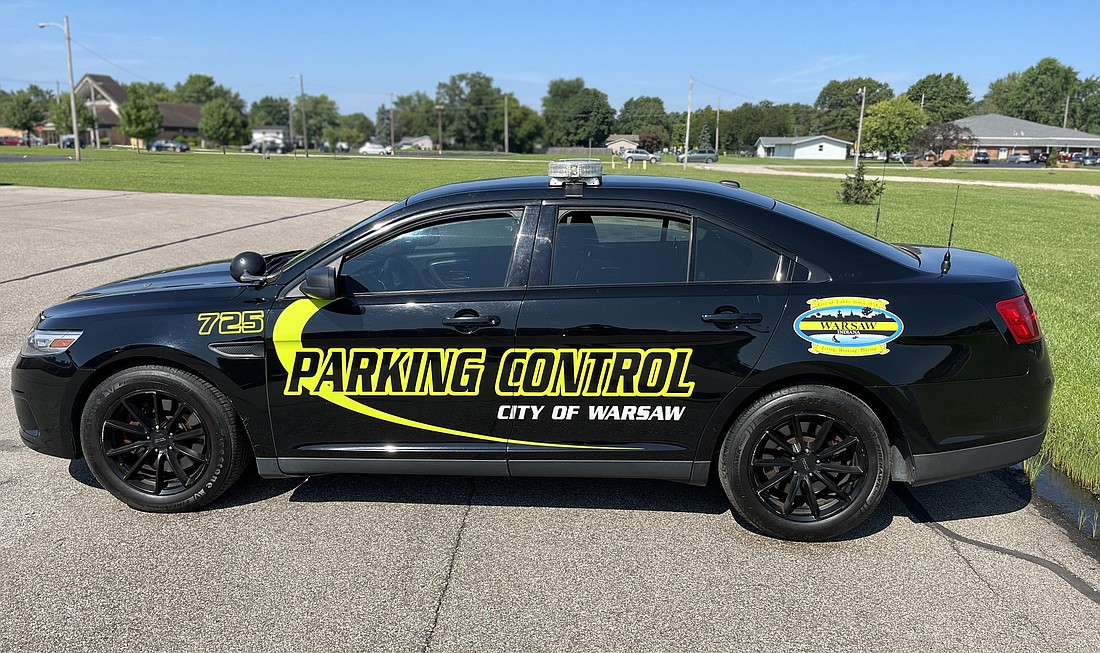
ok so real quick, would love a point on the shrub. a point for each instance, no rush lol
(855, 189)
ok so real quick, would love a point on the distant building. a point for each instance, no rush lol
(103, 95)
(618, 142)
(803, 147)
(418, 142)
(277, 132)
(1001, 136)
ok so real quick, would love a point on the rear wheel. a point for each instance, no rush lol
(807, 462)
(161, 439)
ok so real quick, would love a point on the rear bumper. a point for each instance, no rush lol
(935, 467)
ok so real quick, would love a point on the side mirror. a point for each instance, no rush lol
(320, 283)
(247, 267)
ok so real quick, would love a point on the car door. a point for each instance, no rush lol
(636, 324)
(397, 373)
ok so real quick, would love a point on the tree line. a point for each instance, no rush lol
(470, 111)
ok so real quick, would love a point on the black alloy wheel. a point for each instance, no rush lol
(807, 462)
(162, 439)
(155, 442)
(807, 467)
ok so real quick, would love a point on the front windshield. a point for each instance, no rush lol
(304, 254)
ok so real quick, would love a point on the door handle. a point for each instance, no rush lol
(733, 318)
(467, 321)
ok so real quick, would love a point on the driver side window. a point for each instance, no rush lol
(469, 253)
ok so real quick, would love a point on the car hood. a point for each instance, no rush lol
(206, 275)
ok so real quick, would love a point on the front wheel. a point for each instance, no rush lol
(162, 439)
(807, 462)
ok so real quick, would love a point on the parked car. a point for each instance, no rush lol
(374, 148)
(1090, 160)
(165, 145)
(1018, 157)
(11, 140)
(67, 141)
(636, 154)
(903, 157)
(702, 155)
(981, 157)
(268, 144)
(575, 325)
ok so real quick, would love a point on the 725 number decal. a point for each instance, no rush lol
(231, 322)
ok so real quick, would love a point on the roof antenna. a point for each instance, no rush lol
(878, 211)
(945, 267)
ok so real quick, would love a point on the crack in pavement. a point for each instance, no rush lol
(73, 199)
(211, 234)
(450, 567)
(1071, 579)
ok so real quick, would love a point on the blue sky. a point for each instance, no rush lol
(358, 52)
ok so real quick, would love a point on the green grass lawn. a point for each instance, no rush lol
(1050, 235)
(1031, 175)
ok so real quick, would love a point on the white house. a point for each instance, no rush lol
(418, 142)
(616, 143)
(803, 147)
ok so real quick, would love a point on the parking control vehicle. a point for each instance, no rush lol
(574, 325)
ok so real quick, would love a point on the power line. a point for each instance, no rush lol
(726, 90)
(96, 54)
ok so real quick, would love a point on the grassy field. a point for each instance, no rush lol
(1050, 235)
(1030, 175)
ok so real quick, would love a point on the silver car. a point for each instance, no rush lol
(635, 154)
(702, 155)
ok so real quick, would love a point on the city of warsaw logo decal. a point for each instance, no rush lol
(848, 326)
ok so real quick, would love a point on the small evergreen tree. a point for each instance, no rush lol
(855, 189)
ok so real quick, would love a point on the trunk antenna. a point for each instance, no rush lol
(945, 267)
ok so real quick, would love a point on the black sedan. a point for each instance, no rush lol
(573, 325)
(165, 145)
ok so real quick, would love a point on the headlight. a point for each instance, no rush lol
(42, 342)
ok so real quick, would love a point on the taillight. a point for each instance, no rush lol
(1021, 319)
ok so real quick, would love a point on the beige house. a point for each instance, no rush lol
(618, 142)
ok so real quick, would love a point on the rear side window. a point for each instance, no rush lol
(724, 255)
(619, 248)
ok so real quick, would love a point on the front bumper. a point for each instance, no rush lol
(41, 387)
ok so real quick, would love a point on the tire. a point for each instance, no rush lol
(709, 160)
(161, 439)
(630, 159)
(794, 427)
(653, 159)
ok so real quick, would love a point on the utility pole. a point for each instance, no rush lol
(922, 100)
(302, 105)
(718, 126)
(72, 86)
(393, 129)
(57, 85)
(506, 123)
(439, 125)
(687, 133)
(859, 133)
(1065, 116)
(95, 115)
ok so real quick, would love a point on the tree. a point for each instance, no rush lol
(653, 137)
(941, 137)
(838, 105)
(26, 109)
(525, 127)
(1084, 111)
(321, 114)
(156, 90)
(62, 119)
(559, 93)
(414, 115)
(891, 124)
(641, 112)
(272, 111)
(946, 97)
(1037, 94)
(139, 116)
(200, 89)
(357, 128)
(222, 121)
(382, 125)
(470, 101)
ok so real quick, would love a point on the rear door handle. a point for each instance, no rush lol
(733, 318)
(472, 321)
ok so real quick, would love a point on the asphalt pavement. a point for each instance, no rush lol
(389, 563)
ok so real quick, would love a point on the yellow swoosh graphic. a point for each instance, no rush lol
(287, 337)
